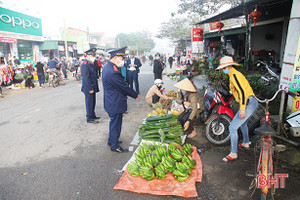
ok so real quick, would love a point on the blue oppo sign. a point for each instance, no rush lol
(12, 21)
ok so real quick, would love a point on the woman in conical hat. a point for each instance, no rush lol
(191, 102)
(241, 91)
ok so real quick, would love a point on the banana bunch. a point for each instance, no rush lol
(177, 154)
(160, 171)
(179, 175)
(168, 163)
(182, 171)
(138, 159)
(133, 169)
(189, 161)
(159, 152)
(153, 160)
(187, 149)
(146, 171)
(172, 148)
(144, 151)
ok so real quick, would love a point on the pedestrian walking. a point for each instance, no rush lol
(158, 67)
(115, 96)
(40, 70)
(98, 67)
(133, 65)
(241, 91)
(64, 67)
(90, 85)
(170, 60)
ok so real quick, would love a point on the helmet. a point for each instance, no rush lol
(158, 82)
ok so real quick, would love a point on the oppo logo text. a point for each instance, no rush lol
(16, 21)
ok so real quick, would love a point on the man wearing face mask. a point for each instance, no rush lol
(158, 67)
(115, 96)
(90, 85)
(154, 94)
(133, 65)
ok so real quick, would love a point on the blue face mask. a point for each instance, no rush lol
(157, 58)
(226, 71)
(183, 91)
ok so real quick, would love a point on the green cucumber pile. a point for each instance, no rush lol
(165, 129)
(155, 160)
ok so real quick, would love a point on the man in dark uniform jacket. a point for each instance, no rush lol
(115, 96)
(90, 85)
(133, 65)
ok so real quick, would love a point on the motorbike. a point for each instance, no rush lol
(54, 79)
(271, 72)
(217, 113)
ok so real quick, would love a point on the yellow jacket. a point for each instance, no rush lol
(239, 87)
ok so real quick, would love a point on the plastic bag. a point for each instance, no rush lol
(167, 186)
(176, 109)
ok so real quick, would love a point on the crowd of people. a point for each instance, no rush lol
(120, 77)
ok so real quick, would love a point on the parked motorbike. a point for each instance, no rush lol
(217, 114)
(270, 71)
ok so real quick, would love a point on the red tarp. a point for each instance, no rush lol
(168, 186)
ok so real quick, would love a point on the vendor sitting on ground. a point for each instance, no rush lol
(28, 79)
(19, 74)
(154, 93)
(192, 104)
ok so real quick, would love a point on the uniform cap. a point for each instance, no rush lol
(186, 85)
(118, 52)
(91, 51)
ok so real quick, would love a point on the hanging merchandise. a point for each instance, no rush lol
(255, 15)
(6, 74)
(220, 25)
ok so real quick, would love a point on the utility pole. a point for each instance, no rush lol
(65, 37)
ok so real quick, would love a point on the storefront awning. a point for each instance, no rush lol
(225, 33)
(279, 7)
(48, 45)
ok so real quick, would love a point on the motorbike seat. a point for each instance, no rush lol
(265, 130)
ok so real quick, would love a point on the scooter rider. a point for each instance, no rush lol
(53, 67)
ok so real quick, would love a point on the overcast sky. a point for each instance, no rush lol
(109, 16)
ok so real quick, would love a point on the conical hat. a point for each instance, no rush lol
(186, 85)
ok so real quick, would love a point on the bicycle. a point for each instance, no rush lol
(265, 169)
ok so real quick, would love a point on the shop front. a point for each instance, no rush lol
(251, 37)
(19, 35)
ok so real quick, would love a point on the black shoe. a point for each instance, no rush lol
(120, 150)
(96, 117)
(92, 121)
(120, 141)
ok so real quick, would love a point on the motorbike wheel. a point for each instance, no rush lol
(218, 135)
(54, 83)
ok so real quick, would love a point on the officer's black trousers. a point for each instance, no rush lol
(90, 104)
